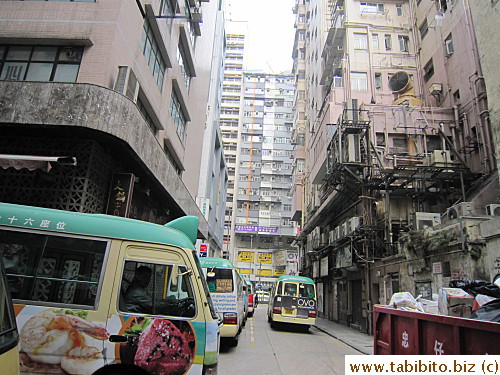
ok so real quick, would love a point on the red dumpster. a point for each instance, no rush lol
(406, 332)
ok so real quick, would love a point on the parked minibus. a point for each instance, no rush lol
(9, 338)
(293, 300)
(92, 290)
(250, 297)
(226, 289)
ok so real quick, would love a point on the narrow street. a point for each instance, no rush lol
(286, 350)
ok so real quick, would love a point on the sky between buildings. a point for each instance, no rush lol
(270, 32)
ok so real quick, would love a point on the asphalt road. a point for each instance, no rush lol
(285, 350)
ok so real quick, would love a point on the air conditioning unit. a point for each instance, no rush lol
(331, 236)
(436, 89)
(440, 158)
(354, 223)
(423, 220)
(352, 149)
(346, 228)
(351, 110)
(460, 210)
(126, 83)
(338, 233)
(493, 209)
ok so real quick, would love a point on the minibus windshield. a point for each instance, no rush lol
(220, 280)
(304, 290)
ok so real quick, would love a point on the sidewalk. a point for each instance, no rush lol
(357, 340)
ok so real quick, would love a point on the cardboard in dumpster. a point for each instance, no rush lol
(455, 302)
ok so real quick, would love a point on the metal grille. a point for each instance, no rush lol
(81, 188)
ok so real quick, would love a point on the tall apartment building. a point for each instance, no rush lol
(398, 140)
(262, 228)
(300, 64)
(113, 96)
(229, 119)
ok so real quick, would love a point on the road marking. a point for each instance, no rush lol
(251, 333)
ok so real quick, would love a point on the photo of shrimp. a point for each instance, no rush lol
(56, 341)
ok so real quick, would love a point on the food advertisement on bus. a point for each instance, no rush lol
(64, 341)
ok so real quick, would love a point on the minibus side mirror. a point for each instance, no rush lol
(174, 277)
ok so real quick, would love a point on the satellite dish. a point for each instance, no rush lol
(399, 82)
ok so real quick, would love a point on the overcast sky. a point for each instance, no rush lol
(270, 32)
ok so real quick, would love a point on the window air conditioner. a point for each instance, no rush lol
(423, 220)
(126, 83)
(493, 209)
(332, 236)
(459, 210)
(354, 223)
(338, 232)
(346, 228)
(440, 158)
(352, 149)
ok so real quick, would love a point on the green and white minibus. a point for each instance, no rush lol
(293, 300)
(226, 289)
(9, 338)
(93, 290)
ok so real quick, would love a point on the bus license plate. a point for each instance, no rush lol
(288, 312)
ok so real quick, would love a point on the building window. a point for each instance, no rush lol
(424, 28)
(378, 81)
(399, 9)
(372, 8)
(359, 81)
(151, 52)
(388, 42)
(40, 63)
(428, 70)
(403, 43)
(448, 46)
(177, 115)
(375, 41)
(360, 41)
(182, 60)
(145, 114)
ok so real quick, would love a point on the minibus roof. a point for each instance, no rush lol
(296, 279)
(181, 232)
(216, 262)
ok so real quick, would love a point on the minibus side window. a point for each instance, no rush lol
(290, 289)
(220, 280)
(8, 331)
(149, 288)
(306, 290)
(50, 268)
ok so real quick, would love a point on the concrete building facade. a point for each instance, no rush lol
(122, 87)
(230, 118)
(262, 228)
(398, 144)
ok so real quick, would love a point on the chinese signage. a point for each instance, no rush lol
(280, 258)
(265, 272)
(224, 285)
(245, 271)
(255, 229)
(279, 273)
(203, 205)
(203, 250)
(245, 256)
(120, 196)
(265, 258)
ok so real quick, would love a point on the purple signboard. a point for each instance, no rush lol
(254, 229)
